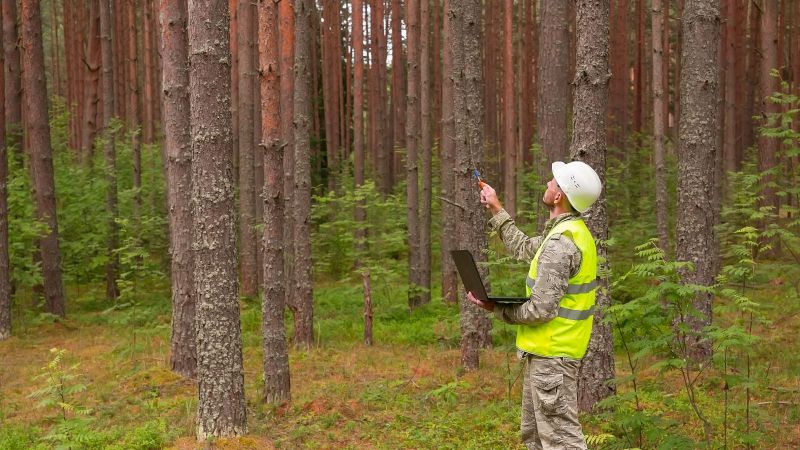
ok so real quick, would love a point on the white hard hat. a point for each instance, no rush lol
(579, 182)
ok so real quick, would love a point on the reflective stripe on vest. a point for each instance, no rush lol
(568, 334)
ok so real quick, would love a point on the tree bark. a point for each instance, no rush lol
(304, 316)
(286, 36)
(448, 143)
(178, 146)
(330, 68)
(412, 156)
(659, 121)
(620, 79)
(552, 87)
(398, 87)
(696, 150)
(5, 266)
(367, 308)
(247, 200)
(148, 84)
(41, 157)
(589, 145)
(277, 385)
(358, 121)
(132, 103)
(426, 148)
(221, 404)
(234, 34)
(13, 80)
(258, 152)
(509, 120)
(91, 110)
(638, 72)
(109, 148)
(768, 146)
(468, 112)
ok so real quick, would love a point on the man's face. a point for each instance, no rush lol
(552, 194)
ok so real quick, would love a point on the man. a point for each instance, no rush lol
(556, 322)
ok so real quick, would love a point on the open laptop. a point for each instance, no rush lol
(472, 279)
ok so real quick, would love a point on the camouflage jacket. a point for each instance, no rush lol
(560, 260)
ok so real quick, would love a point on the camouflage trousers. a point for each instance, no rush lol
(550, 404)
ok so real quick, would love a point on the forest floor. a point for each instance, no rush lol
(406, 391)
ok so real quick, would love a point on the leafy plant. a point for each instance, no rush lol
(61, 384)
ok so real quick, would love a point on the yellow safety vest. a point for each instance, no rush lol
(568, 334)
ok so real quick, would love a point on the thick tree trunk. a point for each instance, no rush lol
(589, 145)
(234, 36)
(552, 87)
(468, 112)
(286, 37)
(5, 267)
(412, 156)
(509, 121)
(178, 146)
(659, 122)
(13, 79)
(696, 150)
(768, 146)
(220, 373)
(258, 152)
(247, 200)
(426, 148)
(304, 315)
(276, 356)
(91, 110)
(620, 77)
(448, 143)
(109, 149)
(41, 152)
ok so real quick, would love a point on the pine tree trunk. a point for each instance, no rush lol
(118, 28)
(448, 143)
(234, 36)
(13, 80)
(426, 147)
(383, 165)
(659, 121)
(530, 83)
(398, 88)
(247, 199)
(55, 58)
(468, 111)
(620, 79)
(109, 149)
(41, 157)
(178, 146)
(638, 73)
(509, 121)
(696, 150)
(258, 153)
(304, 323)
(91, 110)
(276, 358)
(330, 68)
(132, 103)
(412, 155)
(148, 94)
(286, 38)
(768, 146)
(589, 145)
(5, 266)
(553, 87)
(358, 121)
(221, 403)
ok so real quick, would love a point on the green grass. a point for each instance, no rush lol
(407, 391)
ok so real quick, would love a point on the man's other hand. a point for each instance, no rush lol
(489, 199)
(489, 306)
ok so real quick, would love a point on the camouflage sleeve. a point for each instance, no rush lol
(518, 244)
(559, 261)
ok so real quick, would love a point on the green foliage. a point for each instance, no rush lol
(61, 385)
(335, 245)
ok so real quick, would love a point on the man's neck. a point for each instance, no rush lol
(558, 210)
